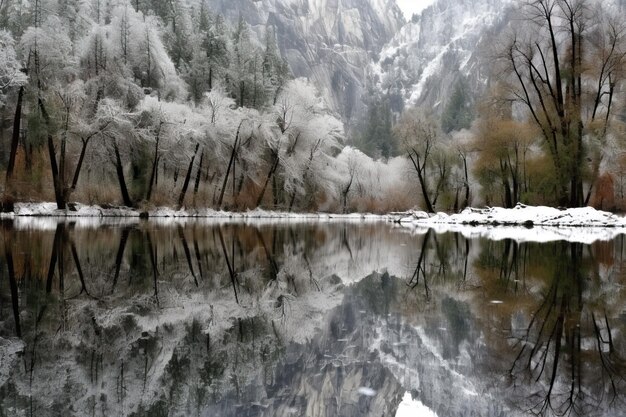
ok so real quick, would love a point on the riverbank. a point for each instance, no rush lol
(520, 224)
(521, 215)
(87, 211)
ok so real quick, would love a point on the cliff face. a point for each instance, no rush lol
(331, 42)
(439, 50)
(448, 46)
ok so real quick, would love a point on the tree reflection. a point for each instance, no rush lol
(195, 319)
(566, 357)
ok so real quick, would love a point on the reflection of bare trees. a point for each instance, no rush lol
(441, 258)
(566, 354)
(231, 270)
(13, 284)
(420, 267)
(119, 257)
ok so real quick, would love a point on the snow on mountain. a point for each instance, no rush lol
(440, 48)
(446, 47)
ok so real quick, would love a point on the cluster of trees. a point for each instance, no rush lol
(159, 102)
(163, 103)
(552, 127)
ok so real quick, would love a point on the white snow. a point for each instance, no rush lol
(413, 408)
(78, 210)
(81, 210)
(522, 224)
(521, 215)
(368, 392)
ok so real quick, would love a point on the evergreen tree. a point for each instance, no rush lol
(374, 134)
(275, 70)
(457, 114)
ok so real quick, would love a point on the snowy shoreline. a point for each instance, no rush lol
(521, 215)
(80, 210)
(521, 224)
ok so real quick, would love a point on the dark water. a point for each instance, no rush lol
(335, 319)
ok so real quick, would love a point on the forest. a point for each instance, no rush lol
(165, 103)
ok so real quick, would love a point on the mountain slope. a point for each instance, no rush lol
(329, 41)
(439, 51)
(446, 49)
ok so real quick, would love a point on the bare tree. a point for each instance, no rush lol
(564, 66)
(421, 140)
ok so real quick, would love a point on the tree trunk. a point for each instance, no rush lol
(8, 198)
(230, 164)
(56, 179)
(119, 168)
(198, 174)
(155, 163)
(344, 194)
(15, 137)
(508, 200)
(467, 185)
(423, 185)
(275, 195)
(242, 91)
(267, 180)
(79, 166)
(58, 186)
(292, 201)
(181, 197)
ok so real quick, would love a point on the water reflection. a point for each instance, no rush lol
(228, 319)
(565, 342)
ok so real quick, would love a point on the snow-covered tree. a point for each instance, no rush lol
(11, 69)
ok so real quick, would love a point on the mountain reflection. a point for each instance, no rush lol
(228, 319)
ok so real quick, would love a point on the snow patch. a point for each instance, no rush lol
(522, 223)
(368, 392)
(49, 210)
(410, 407)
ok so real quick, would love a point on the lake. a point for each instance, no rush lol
(270, 318)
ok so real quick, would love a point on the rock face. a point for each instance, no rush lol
(449, 46)
(346, 46)
(439, 50)
(331, 42)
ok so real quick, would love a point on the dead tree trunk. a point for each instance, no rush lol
(270, 173)
(119, 169)
(181, 197)
(15, 137)
(230, 164)
(198, 174)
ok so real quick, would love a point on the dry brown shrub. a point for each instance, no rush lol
(604, 195)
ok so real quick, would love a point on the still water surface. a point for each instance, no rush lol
(202, 318)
